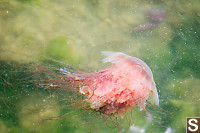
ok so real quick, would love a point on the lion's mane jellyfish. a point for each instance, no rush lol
(155, 17)
(114, 91)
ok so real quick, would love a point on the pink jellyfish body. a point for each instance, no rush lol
(114, 91)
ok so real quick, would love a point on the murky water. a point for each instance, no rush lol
(71, 35)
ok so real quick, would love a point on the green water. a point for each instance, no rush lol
(57, 32)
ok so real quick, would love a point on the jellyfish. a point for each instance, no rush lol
(114, 91)
(155, 17)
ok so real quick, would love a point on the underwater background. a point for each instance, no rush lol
(63, 33)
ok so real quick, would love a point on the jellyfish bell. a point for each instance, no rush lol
(146, 70)
(114, 91)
